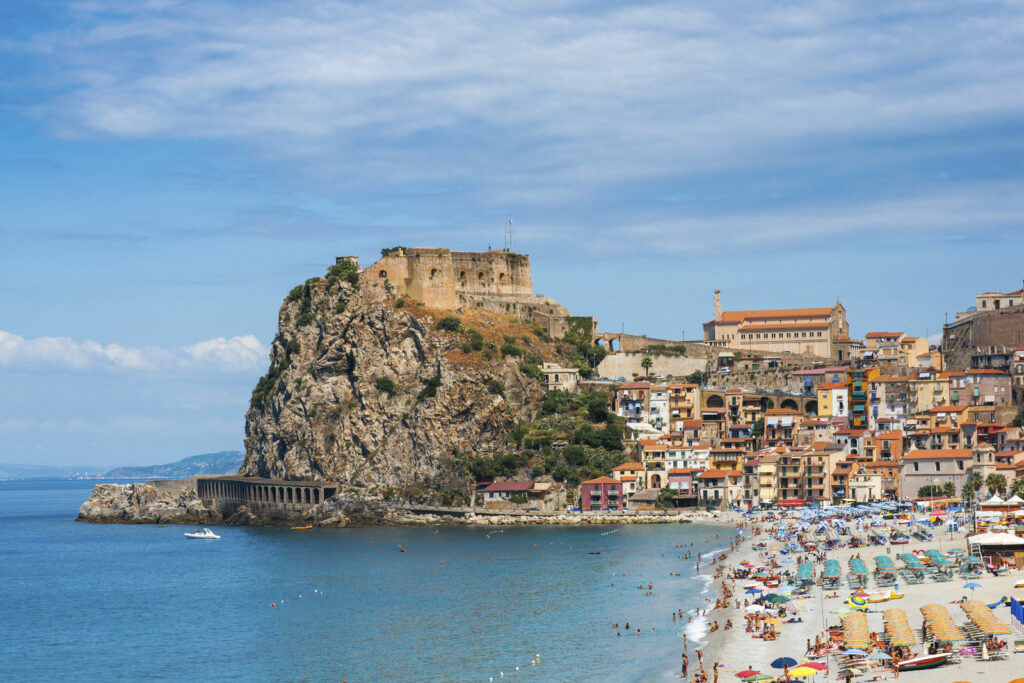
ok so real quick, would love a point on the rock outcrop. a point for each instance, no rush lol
(171, 501)
(366, 390)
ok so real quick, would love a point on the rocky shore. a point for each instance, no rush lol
(174, 501)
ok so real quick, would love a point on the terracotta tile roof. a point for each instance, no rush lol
(782, 411)
(684, 470)
(948, 409)
(881, 335)
(889, 435)
(782, 326)
(635, 385)
(509, 486)
(629, 467)
(693, 424)
(774, 314)
(630, 477)
(984, 371)
(602, 480)
(940, 454)
(719, 474)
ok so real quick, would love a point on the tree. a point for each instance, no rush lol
(996, 483)
(665, 497)
(697, 377)
(971, 486)
(1019, 420)
(646, 364)
(1017, 487)
(758, 431)
(929, 491)
(949, 489)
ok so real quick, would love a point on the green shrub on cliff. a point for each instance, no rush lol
(386, 385)
(345, 271)
(449, 323)
(430, 388)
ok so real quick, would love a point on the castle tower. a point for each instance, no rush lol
(718, 305)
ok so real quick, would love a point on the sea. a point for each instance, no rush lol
(107, 602)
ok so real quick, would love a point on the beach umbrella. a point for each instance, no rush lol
(858, 602)
(756, 608)
(760, 677)
(878, 656)
(854, 651)
(747, 673)
(776, 599)
(862, 594)
(802, 672)
(783, 662)
(972, 585)
(773, 621)
(815, 665)
(754, 590)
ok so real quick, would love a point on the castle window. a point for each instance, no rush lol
(501, 276)
(383, 274)
(462, 275)
(433, 272)
(480, 275)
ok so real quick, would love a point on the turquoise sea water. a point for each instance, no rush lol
(102, 602)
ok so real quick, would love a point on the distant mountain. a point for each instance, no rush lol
(222, 462)
(11, 471)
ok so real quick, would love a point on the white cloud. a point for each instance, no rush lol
(237, 354)
(564, 95)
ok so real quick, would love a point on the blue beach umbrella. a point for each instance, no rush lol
(754, 590)
(859, 653)
(783, 662)
(972, 585)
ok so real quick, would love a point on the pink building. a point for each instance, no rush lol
(603, 493)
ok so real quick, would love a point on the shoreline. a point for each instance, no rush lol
(736, 650)
(175, 502)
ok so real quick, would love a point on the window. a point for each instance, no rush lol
(960, 465)
(938, 467)
(382, 274)
(916, 468)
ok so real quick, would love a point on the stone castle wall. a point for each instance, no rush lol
(993, 328)
(497, 281)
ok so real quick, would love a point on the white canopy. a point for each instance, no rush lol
(1016, 499)
(994, 500)
(996, 539)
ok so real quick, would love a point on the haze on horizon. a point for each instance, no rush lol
(172, 169)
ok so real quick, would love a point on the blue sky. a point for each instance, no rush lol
(170, 169)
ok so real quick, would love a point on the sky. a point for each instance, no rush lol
(169, 170)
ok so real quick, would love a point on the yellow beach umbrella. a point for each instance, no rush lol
(802, 672)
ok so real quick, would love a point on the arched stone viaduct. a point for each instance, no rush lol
(265, 495)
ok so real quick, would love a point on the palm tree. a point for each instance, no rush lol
(1017, 487)
(996, 483)
(646, 364)
(971, 486)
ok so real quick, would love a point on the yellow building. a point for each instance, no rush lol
(833, 400)
(929, 389)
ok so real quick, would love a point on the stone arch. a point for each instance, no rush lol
(501, 277)
(715, 401)
(789, 404)
(316, 496)
(462, 275)
(306, 496)
(433, 272)
(273, 494)
(480, 275)
(655, 481)
(767, 403)
(291, 495)
(383, 274)
(811, 407)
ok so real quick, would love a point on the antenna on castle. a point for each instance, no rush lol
(509, 236)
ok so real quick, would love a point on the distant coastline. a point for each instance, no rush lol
(220, 462)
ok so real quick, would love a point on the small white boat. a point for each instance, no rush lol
(205, 533)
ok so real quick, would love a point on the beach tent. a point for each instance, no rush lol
(1016, 500)
(994, 500)
(990, 539)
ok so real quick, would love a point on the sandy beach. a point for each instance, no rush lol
(736, 650)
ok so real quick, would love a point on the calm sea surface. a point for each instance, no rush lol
(101, 602)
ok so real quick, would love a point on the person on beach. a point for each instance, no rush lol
(686, 663)
(715, 672)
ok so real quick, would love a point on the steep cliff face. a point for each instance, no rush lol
(365, 390)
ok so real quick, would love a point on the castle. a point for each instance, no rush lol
(494, 280)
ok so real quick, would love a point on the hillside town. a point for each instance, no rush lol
(792, 411)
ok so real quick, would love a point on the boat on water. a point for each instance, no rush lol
(925, 662)
(205, 533)
(302, 528)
